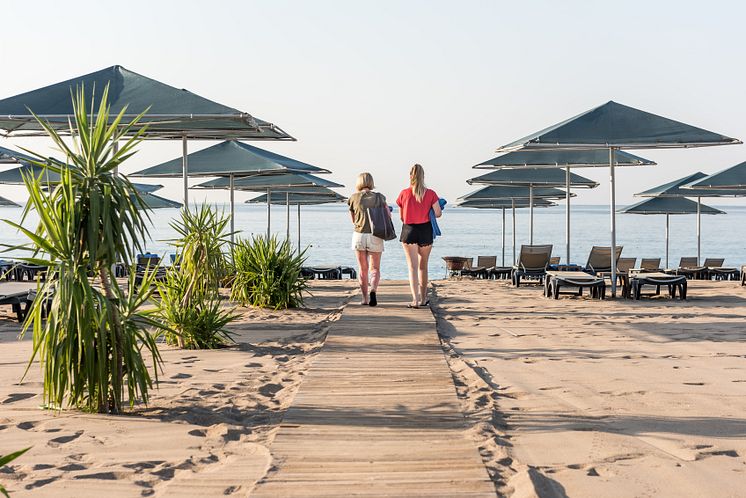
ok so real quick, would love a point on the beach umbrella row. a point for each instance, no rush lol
(287, 183)
(234, 163)
(683, 187)
(614, 127)
(671, 206)
(541, 167)
(503, 205)
(309, 197)
(170, 113)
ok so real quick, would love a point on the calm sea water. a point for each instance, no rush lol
(473, 232)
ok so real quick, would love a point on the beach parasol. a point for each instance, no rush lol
(732, 178)
(612, 127)
(683, 188)
(549, 160)
(230, 160)
(535, 177)
(171, 113)
(309, 197)
(503, 204)
(671, 206)
(514, 195)
(287, 183)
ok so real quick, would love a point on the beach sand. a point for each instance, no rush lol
(206, 431)
(601, 398)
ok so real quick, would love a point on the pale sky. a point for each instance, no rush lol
(378, 85)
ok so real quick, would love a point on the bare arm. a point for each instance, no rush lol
(436, 209)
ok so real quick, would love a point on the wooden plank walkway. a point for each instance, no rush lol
(377, 414)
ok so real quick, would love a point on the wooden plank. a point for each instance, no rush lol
(377, 414)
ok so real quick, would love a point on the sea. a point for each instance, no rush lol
(326, 233)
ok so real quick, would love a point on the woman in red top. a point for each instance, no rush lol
(415, 203)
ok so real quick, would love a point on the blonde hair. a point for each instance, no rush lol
(364, 180)
(417, 181)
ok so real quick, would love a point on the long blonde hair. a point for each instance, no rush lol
(417, 181)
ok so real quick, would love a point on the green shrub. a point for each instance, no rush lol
(203, 234)
(190, 304)
(196, 321)
(267, 273)
(88, 334)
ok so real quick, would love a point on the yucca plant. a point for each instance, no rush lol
(267, 273)
(203, 236)
(88, 334)
(5, 460)
(190, 302)
(197, 322)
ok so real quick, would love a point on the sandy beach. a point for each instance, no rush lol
(206, 431)
(579, 397)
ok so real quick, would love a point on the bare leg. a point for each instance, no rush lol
(424, 257)
(410, 251)
(362, 263)
(375, 270)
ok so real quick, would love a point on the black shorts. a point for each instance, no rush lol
(419, 233)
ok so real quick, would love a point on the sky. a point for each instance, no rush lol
(379, 85)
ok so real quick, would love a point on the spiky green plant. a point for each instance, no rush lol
(5, 460)
(195, 323)
(267, 273)
(202, 238)
(88, 334)
(190, 302)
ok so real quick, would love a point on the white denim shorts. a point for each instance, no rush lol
(366, 242)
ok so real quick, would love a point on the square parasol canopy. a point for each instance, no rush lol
(537, 177)
(172, 113)
(671, 206)
(502, 205)
(310, 197)
(683, 187)
(613, 127)
(550, 161)
(733, 178)
(230, 159)
(286, 183)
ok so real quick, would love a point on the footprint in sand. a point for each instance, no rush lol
(12, 398)
(64, 439)
(694, 383)
(181, 376)
(269, 390)
(26, 426)
(71, 467)
(197, 433)
(41, 482)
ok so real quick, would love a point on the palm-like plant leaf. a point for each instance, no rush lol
(88, 333)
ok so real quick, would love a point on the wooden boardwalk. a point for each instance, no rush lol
(377, 414)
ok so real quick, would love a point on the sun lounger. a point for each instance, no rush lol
(484, 264)
(673, 282)
(576, 280)
(350, 271)
(689, 268)
(599, 259)
(500, 272)
(16, 294)
(30, 272)
(532, 263)
(322, 272)
(554, 260)
(455, 264)
(650, 264)
(714, 269)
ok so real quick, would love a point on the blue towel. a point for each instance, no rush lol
(434, 220)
